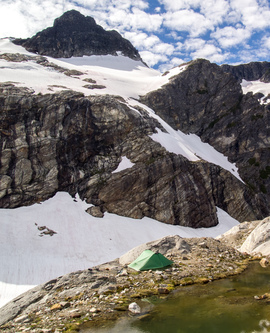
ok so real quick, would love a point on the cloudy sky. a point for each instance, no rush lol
(166, 32)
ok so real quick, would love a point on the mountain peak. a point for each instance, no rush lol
(76, 35)
(74, 20)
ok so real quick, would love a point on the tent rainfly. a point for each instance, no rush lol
(150, 260)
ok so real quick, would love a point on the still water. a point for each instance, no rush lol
(224, 306)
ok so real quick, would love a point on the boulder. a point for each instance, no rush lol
(134, 308)
(258, 242)
(95, 211)
(264, 262)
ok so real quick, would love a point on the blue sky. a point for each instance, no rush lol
(166, 32)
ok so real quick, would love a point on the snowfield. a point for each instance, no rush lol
(28, 257)
(30, 253)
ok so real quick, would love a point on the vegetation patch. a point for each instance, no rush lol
(263, 189)
(232, 124)
(253, 161)
(264, 174)
(257, 116)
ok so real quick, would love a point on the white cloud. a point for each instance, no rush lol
(163, 48)
(254, 14)
(210, 52)
(176, 5)
(215, 10)
(153, 50)
(256, 18)
(153, 58)
(142, 20)
(11, 19)
(171, 64)
(142, 40)
(193, 44)
(194, 23)
(24, 18)
(230, 36)
(266, 42)
(132, 19)
(149, 43)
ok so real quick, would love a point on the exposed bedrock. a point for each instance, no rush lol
(68, 142)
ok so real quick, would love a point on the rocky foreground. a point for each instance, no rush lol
(105, 292)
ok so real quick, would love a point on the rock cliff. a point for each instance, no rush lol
(69, 142)
(66, 141)
(205, 100)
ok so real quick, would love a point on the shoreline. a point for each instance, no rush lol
(94, 296)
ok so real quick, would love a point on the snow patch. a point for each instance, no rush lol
(6, 46)
(257, 87)
(124, 164)
(81, 240)
(188, 145)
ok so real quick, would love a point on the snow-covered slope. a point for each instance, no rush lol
(257, 87)
(27, 255)
(118, 75)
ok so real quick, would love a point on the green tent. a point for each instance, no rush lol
(150, 260)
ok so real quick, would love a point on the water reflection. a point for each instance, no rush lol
(225, 306)
(264, 325)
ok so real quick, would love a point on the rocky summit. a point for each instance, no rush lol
(74, 35)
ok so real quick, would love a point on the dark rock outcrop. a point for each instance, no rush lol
(250, 72)
(68, 142)
(206, 101)
(74, 35)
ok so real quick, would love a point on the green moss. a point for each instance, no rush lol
(186, 281)
(253, 161)
(232, 124)
(71, 328)
(202, 91)
(263, 189)
(251, 186)
(264, 174)
(201, 280)
(213, 123)
(143, 293)
(150, 161)
(257, 116)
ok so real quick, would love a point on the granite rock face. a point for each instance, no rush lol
(250, 237)
(205, 100)
(69, 142)
(74, 35)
